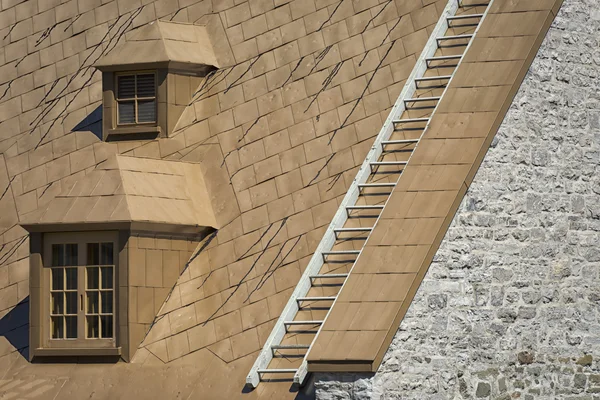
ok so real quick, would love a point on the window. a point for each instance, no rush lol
(136, 98)
(80, 287)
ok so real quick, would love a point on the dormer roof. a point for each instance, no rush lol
(163, 43)
(168, 196)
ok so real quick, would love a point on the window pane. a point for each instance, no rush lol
(107, 326)
(71, 278)
(126, 87)
(93, 254)
(71, 300)
(92, 277)
(57, 255)
(107, 302)
(126, 112)
(70, 254)
(107, 277)
(146, 86)
(71, 325)
(147, 111)
(57, 278)
(92, 302)
(92, 326)
(58, 305)
(57, 327)
(106, 254)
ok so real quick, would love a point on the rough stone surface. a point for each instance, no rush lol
(519, 267)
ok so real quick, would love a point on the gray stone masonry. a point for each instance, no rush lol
(510, 306)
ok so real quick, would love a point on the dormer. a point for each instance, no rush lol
(149, 80)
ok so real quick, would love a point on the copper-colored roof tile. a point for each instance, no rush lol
(85, 187)
(341, 345)
(447, 151)
(390, 259)
(499, 49)
(255, 314)
(479, 99)
(319, 347)
(228, 325)
(432, 177)
(511, 6)
(209, 307)
(342, 317)
(460, 125)
(222, 349)
(425, 204)
(159, 349)
(245, 343)
(389, 231)
(376, 287)
(105, 207)
(361, 316)
(80, 209)
(366, 345)
(57, 209)
(201, 335)
(494, 73)
(108, 184)
(120, 212)
(514, 24)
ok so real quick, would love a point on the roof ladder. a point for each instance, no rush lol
(331, 266)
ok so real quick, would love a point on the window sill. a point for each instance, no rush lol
(140, 132)
(92, 352)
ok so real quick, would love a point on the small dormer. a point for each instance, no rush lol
(149, 80)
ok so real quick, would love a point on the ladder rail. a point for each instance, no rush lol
(317, 260)
(422, 65)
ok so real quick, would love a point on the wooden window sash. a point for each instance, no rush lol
(135, 99)
(81, 240)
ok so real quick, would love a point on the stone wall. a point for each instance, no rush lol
(510, 306)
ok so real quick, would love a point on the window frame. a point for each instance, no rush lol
(81, 239)
(135, 99)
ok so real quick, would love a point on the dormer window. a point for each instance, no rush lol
(136, 98)
(149, 80)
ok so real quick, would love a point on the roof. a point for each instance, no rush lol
(276, 135)
(133, 190)
(385, 279)
(177, 44)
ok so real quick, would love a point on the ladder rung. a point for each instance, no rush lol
(375, 185)
(422, 99)
(299, 299)
(404, 141)
(461, 4)
(410, 120)
(454, 37)
(466, 16)
(329, 276)
(338, 231)
(278, 371)
(364, 208)
(383, 163)
(290, 346)
(353, 230)
(442, 58)
(303, 322)
(375, 165)
(434, 78)
(340, 253)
